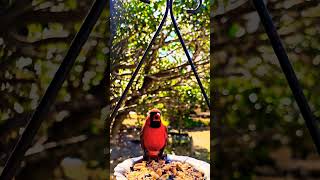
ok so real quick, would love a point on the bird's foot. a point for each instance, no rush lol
(146, 158)
(163, 157)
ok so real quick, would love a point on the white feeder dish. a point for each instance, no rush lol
(124, 167)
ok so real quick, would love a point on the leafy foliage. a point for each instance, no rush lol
(256, 112)
(34, 38)
(165, 81)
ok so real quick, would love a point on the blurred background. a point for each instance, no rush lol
(165, 81)
(259, 132)
(34, 38)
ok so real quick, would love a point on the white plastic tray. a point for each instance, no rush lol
(124, 166)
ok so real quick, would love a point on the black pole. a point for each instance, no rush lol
(289, 72)
(48, 99)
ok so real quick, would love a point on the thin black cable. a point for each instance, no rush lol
(176, 28)
(124, 94)
(289, 72)
(47, 100)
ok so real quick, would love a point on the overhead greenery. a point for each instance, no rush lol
(166, 80)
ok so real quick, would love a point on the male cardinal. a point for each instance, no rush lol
(153, 136)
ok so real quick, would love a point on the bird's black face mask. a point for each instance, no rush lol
(155, 121)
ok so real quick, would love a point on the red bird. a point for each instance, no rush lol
(153, 136)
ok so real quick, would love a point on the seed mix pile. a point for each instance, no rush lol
(164, 170)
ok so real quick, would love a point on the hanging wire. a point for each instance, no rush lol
(168, 8)
(186, 50)
(289, 72)
(47, 100)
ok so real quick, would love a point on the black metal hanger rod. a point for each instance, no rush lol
(288, 71)
(175, 25)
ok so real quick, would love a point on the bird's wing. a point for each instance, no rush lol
(145, 152)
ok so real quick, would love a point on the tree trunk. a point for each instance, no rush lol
(115, 129)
